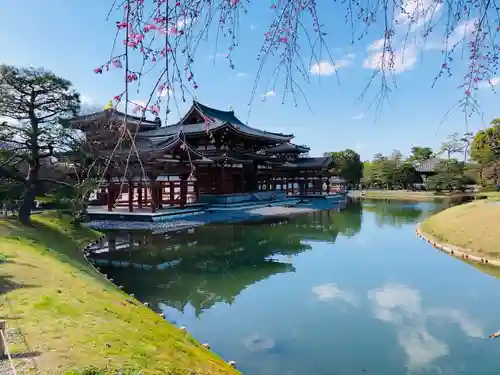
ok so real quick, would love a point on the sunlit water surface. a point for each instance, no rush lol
(350, 292)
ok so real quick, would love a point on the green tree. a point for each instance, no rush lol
(420, 154)
(487, 139)
(450, 176)
(492, 173)
(405, 175)
(453, 144)
(482, 159)
(485, 149)
(347, 164)
(379, 173)
(397, 156)
(35, 101)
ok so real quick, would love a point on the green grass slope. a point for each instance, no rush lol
(475, 227)
(69, 317)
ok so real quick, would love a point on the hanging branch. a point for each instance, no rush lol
(171, 31)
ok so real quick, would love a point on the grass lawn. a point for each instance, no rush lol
(404, 195)
(421, 195)
(475, 227)
(71, 317)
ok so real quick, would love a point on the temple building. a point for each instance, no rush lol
(208, 157)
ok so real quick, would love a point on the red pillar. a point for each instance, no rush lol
(130, 196)
(160, 194)
(171, 187)
(154, 196)
(110, 196)
(139, 195)
(183, 191)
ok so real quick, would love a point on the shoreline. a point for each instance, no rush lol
(113, 324)
(420, 196)
(455, 251)
(183, 330)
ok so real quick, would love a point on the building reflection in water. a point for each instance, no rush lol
(216, 263)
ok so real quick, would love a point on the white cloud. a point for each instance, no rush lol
(495, 81)
(184, 22)
(8, 120)
(418, 13)
(468, 327)
(86, 99)
(165, 91)
(462, 33)
(242, 75)
(269, 94)
(401, 306)
(141, 103)
(399, 61)
(325, 68)
(376, 45)
(358, 117)
(330, 292)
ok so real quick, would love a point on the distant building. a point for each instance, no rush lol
(428, 167)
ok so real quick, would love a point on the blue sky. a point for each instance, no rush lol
(71, 38)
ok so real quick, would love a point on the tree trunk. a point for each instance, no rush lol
(24, 215)
(28, 202)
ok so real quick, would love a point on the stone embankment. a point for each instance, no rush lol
(456, 251)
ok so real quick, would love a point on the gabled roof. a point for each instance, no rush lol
(318, 162)
(429, 165)
(116, 116)
(287, 148)
(219, 119)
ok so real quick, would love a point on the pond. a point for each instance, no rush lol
(333, 292)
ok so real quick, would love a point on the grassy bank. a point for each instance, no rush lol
(473, 227)
(71, 317)
(420, 195)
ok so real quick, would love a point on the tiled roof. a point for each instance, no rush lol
(287, 147)
(429, 165)
(115, 115)
(219, 119)
(318, 162)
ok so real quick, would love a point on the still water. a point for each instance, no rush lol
(326, 293)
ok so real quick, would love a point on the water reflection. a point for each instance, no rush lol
(401, 306)
(217, 262)
(344, 293)
(330, 292)
(399, 214)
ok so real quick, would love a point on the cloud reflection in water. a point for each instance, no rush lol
(330, 292)
(401, 306)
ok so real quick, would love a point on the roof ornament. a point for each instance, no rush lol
(109, 105)
(231, 108)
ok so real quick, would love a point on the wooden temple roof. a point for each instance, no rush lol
(113, 115)
(318, 162)
(322, 162)
(287, 148)
(216, 120)
(171, 142)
